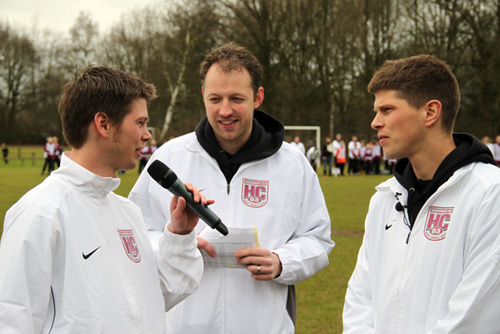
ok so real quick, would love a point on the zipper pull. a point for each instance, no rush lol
(228, 188)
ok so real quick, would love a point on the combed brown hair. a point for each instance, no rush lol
(98, 89)
(419, 79)
(231, 57)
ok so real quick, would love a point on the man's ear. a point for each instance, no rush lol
(433, 112)
(259, 98)
(101, 123)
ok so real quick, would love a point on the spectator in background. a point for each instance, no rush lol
(340, 157)
(143, 160)
(390, 163)
(336, 145)
(361, 160)
(153, 147)
(57, 151)
(377, 156)
(313, 155)
(146, 153)
(296, 143)
(5, 153)
(326, 155)
(48, 154)
(496, 150)
(354, 152)
(487, 141)
(368, 157)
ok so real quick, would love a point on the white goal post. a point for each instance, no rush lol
(308, 128)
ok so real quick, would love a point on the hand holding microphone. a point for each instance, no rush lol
(168, 180)
(182, 219)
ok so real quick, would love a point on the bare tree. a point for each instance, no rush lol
(481, 89)
(40, 117)
(175, 88)
(192, 27)
(339, 57)
(131, 43)
(310, 52)
(84, 41)
(17, 56)
(317, 57)
(438, 28)
(261, 26)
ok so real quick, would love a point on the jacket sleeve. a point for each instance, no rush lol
(26, 252)
(306, 252)
(474, 306)
(180, 266)
(358, 310)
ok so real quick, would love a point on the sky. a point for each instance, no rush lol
(60, 15)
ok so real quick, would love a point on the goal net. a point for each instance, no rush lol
(309, 135)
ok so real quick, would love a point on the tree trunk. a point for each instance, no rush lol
(175, 90)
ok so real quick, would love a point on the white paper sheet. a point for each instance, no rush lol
(225, 246)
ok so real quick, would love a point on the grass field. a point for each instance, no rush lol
(320, 298)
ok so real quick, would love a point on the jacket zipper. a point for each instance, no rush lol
(407, 216)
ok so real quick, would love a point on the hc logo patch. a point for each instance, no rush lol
(255, 193)
(130, 245)
(437, 222)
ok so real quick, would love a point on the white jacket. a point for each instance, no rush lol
(282, 197)
(446, 277)
(76, 258)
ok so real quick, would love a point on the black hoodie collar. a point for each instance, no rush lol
(468, 150)
(265, 140)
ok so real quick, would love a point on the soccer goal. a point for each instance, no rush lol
(315, 129)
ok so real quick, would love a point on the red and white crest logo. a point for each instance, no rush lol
(255, 193)
(130, 245)
(437, 223)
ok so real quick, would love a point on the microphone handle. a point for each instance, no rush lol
(203, 211)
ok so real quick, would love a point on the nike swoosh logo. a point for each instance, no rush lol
(86, 256)
(387, 226)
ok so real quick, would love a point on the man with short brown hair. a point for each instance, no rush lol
(75, 257)
(237, 155)
(429, 258)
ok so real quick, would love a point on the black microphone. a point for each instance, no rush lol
(168, 180)
(399, 207)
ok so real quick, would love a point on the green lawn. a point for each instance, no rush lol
(319, 299)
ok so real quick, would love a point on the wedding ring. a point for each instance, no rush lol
(258, 270)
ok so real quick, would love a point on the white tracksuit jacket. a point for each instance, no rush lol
(446, 278)
(76, 258)
(282, 197)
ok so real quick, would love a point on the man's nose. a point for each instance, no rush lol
(147, 135)
(226, 109)
(376, 123)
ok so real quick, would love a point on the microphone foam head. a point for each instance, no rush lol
(162, 174)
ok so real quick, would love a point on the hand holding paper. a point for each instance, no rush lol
(226, 246)
(261, 262)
